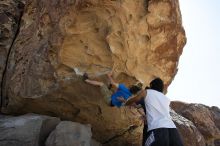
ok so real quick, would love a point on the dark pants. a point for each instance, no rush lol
(144, 134)
(163, 137)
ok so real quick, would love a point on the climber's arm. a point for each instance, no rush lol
(121, 99)
(93, 82)
(115, 84)
(133, 99)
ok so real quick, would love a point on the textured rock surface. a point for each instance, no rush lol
(95, 143)
(59, 39)
(26, 130)
(188, 131)
(70, 134)
(206, 119)
(216, 115)
(217, 142)
(10, 14)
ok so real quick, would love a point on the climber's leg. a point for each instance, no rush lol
(158, 137)
(107, 94)
(175, 138)
(144, 137)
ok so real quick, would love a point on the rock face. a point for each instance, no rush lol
(70, 134)
(206, 119)
(26, 130)
(188, 131)
(10, 15)
(59, 40)
(95, 143)
(216, 115)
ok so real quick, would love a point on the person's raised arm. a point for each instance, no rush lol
(92, 82)
(133, 99)
(115, 84)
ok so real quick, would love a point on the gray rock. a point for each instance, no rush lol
(206, 119)
(10, 14)
(216, 115)
(26, 130)
(70, 134)
(188, 131)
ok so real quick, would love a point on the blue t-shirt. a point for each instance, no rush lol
(122, 91)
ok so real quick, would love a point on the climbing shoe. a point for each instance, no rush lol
(85, 76)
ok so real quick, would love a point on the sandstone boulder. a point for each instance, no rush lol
(26, 130)
(203, 117)
(188, 131)
(70, 134)
(59, 40)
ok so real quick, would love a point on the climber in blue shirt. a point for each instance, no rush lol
(122, 91)
(116, 93)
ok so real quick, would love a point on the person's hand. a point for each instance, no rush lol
(143, 119)
(110, 74)
(121, 99)
(132, 110)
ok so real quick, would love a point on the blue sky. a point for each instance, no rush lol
(198, 78)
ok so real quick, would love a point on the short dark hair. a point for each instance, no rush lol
(134, 89)
(157, 84)
(147, 88)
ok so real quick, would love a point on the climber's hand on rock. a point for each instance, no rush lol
(132, 109)
(110, 74)
(121, 99)
(143, 119)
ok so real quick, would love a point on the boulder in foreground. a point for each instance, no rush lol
(26, 130)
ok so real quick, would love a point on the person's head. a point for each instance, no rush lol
(134, 89)
(157, 84)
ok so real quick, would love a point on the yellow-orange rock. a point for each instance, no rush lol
(62, 38)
